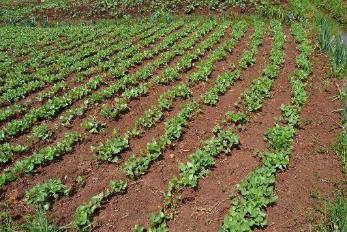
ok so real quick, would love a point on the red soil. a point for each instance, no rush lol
(203, 209)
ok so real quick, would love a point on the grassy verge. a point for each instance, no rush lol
(331, 213)
(340, 149)
(37, 222)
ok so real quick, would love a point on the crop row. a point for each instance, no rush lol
(124, 49)
(153, 115)
(174, 126)
(41, 58)
(114, 141)
(256, 191)
(260, 88)
(89, 37)
(62, 65)
(79, 92)
(28, 164)
(54, 105)
(252, 196)
(173, 129)
(117, 47)
(129, 80)
(87, 56)
(224, 81)
(202, 159)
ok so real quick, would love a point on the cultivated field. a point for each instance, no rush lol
(193, 124)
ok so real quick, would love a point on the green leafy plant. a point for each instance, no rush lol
(48, 110)
(110, 150)
(277, 160)
(120, 106)
(256, 191)
(210, 97)
(11, 110)
(201, 160)
(248, 58)
(291, 113)
(189, 174)
(238, 118)
(157, 222)
(84, 212)
(30, 163)
(43, 194)
(137, 166)
(139, 228)
(299, 95)
(280, 138)
(92, 126)
(259, 90)
(42, 132)
(136, 92)
(8, 150)
(151, 116)
(80, 180)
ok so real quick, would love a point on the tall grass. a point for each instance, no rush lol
(339, 57)
(336, 211)
(35, 223)
(302, 10)
(331, 42)
(324, 36)
(345, 113)
(335, 215)
(340, 149)
(335, 8)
